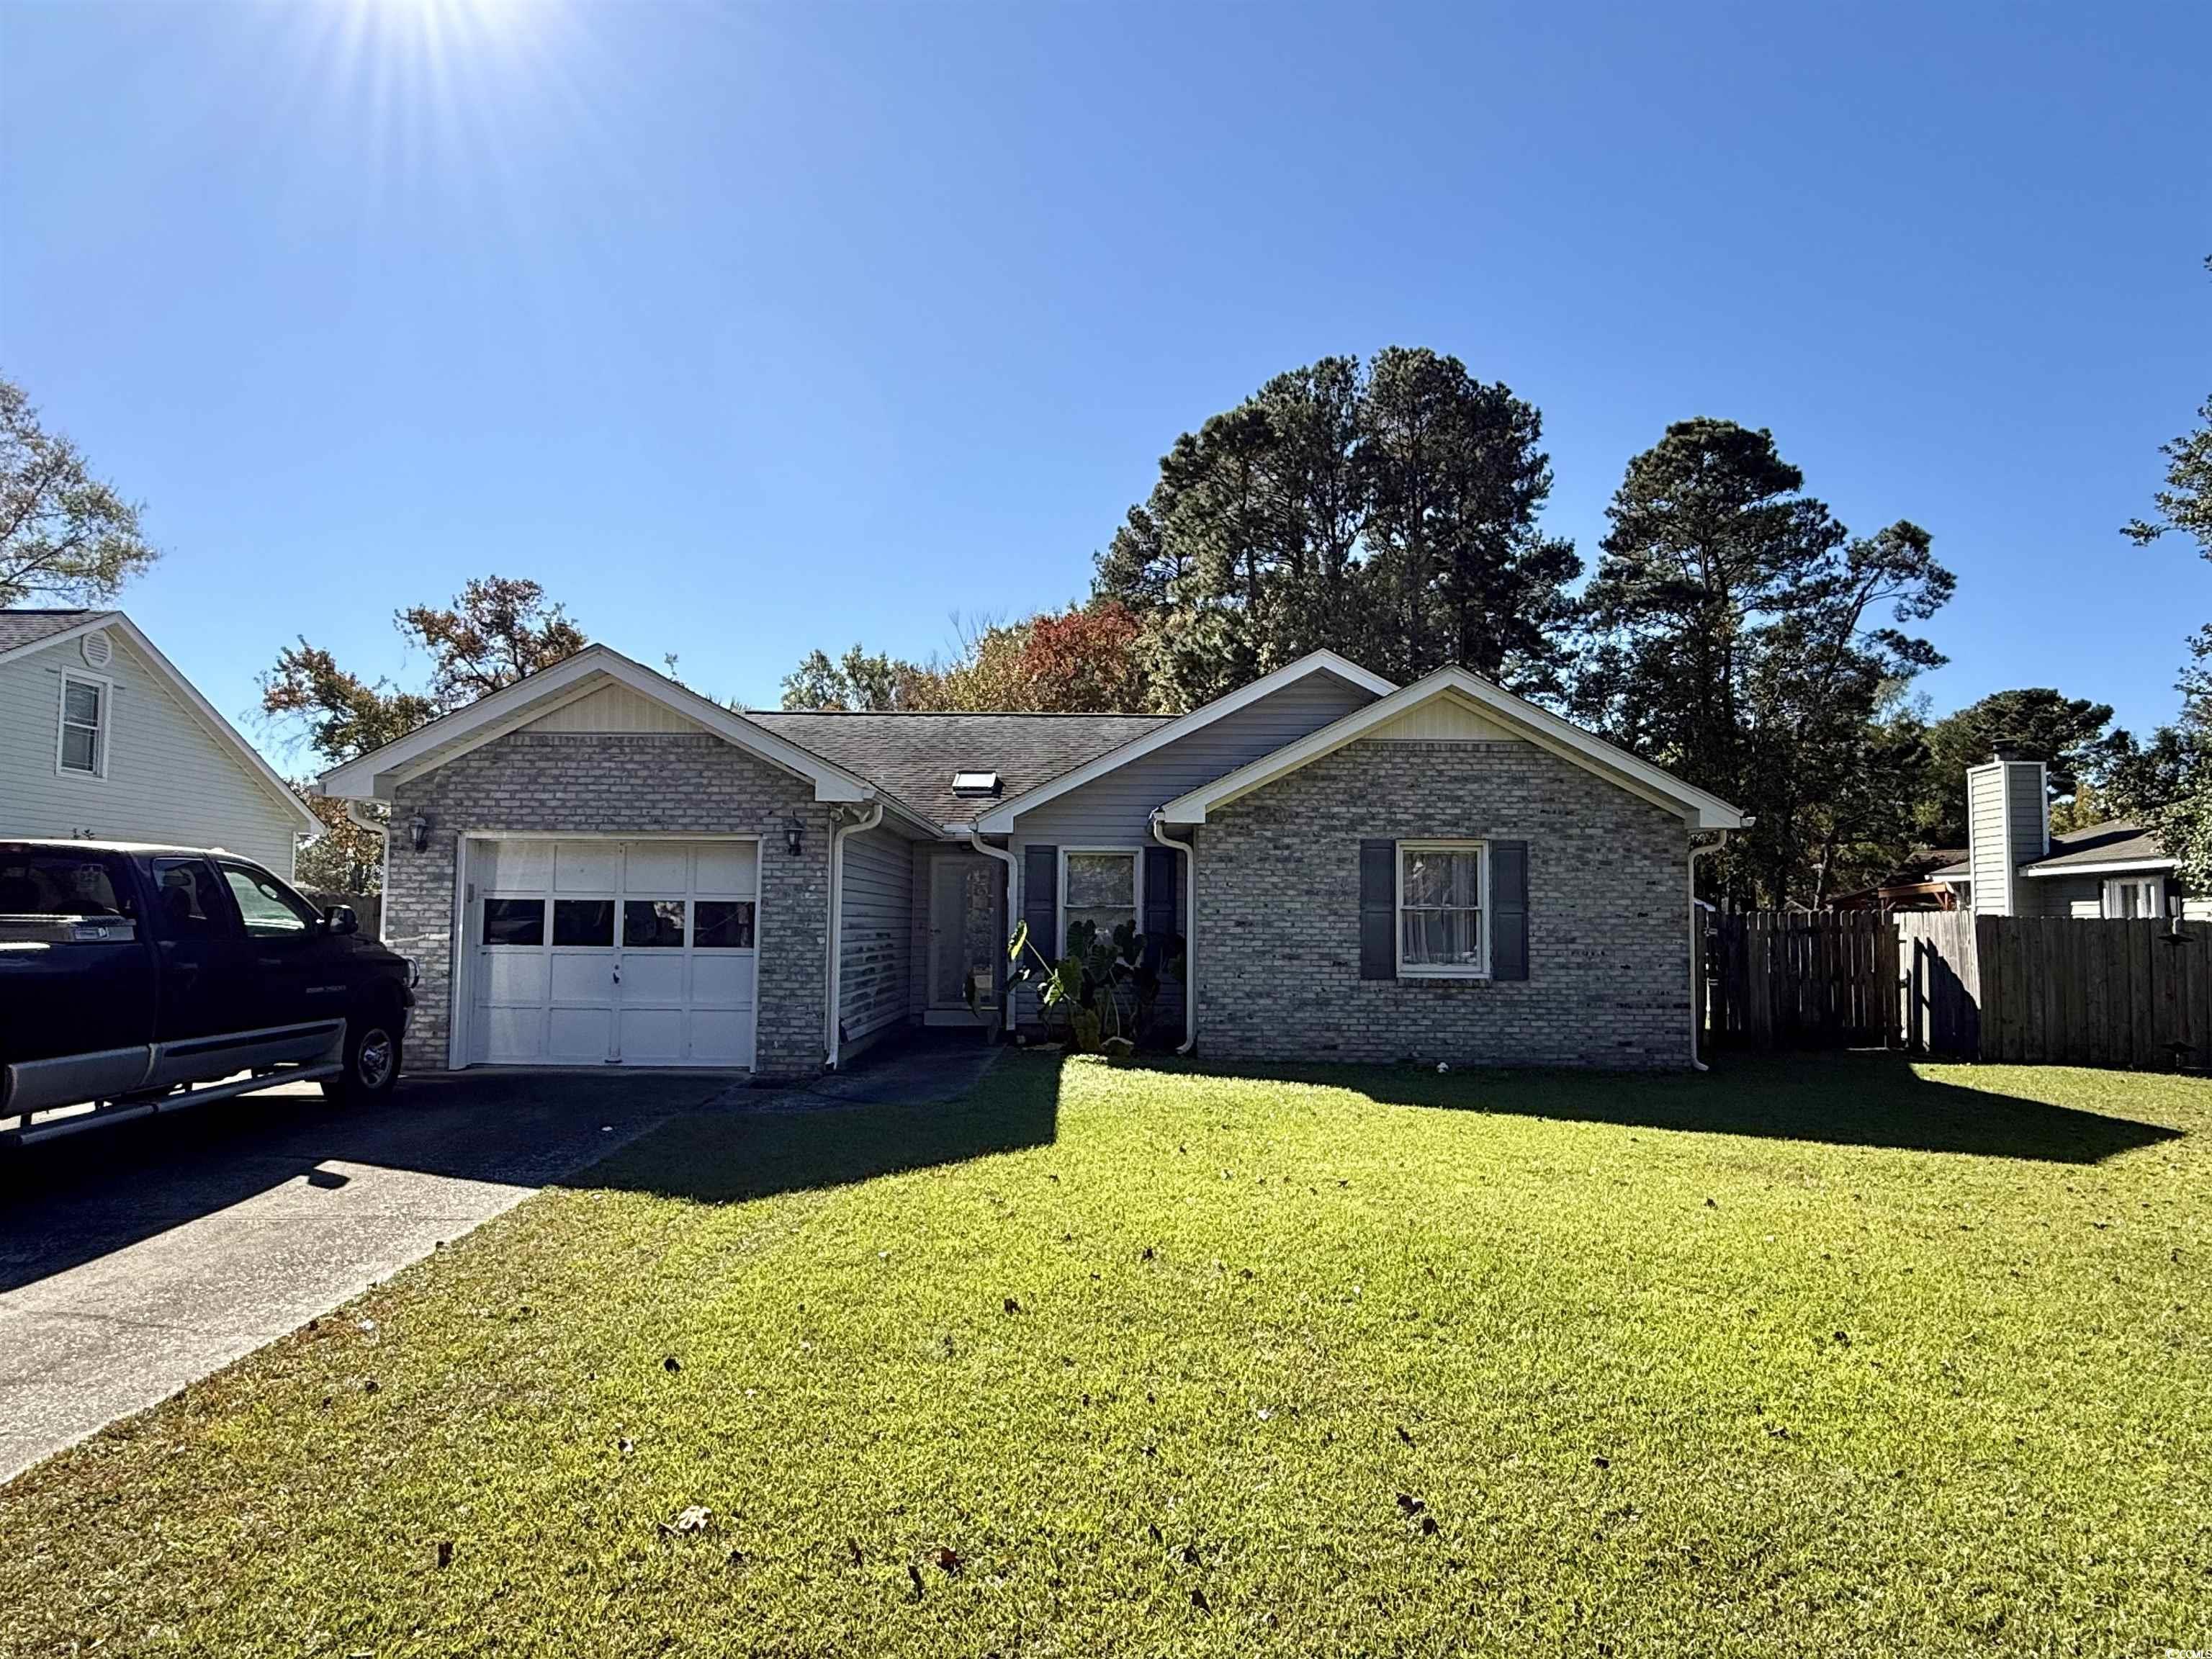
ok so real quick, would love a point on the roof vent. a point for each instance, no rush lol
(975, 783)
(95, 649)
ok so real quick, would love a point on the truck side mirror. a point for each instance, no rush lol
(340, 919)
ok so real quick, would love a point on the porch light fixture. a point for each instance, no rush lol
(418, 832)
(794, 835)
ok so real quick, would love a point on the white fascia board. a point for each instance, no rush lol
(1700, 808)
(373, 775)
(219, 728)
(2117, 867)
(1000, 820)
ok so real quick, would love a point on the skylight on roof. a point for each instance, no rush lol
(975, 783)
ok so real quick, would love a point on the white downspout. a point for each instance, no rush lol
(1189, 933)
(975, 839)
(1697, 956)
(834, 1037)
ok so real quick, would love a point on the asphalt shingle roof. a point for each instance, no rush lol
(915, 756)
(2117, 841)
(21, 627)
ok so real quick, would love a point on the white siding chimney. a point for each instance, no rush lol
(2008, 824)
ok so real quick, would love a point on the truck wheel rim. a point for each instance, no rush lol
(374, 1063)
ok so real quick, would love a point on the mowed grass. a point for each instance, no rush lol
(1829, 1356)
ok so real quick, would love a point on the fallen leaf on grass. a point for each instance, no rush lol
(1403, 1436)
(1411, 1504)
(369, 1387)
(1153, 1527)
(1428, 1526)
(1012, 1306)
(949, 1559)
(671, 1363)
(444, 1552)
(696, 1518)
(914, 1573)
(854, 1544)
(1198, 1600)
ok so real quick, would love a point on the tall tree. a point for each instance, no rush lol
(496, 631)
(1455, 481)
(66, 538)
(2070, 733)
(2168, 785)
(1387, 512)
(1738, 634)
(1080, 660)
(860, 681)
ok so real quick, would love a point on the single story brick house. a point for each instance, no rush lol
(596, 865)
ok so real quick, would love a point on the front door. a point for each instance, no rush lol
(965, 939)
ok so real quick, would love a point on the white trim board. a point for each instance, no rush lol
(1000, 820)
(221, 730)
(1700, 808)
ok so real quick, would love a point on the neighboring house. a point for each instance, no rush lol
(1917, 884)
(2015, 865)
(596, 866)
(101, 736)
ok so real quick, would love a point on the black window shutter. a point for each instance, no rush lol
(1509, 910)
(1041, 900)
(1378, 910)
(1162, 869)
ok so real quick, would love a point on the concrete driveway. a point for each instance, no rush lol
(137, 1260)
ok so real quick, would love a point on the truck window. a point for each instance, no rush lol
(56, 884)
(268, 910)
(187, 899)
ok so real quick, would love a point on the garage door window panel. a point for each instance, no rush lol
(722, 925)
(584, 922)
(514, 921)
(653, 925)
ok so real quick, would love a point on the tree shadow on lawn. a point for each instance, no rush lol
(1845, 1099)
(729, 1157)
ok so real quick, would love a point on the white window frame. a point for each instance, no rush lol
(2109, 897)
(1480, 968)
(1136, 857)
(103, 735)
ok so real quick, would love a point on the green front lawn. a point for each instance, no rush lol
(1828, 1356)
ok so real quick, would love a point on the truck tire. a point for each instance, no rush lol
(372, 1059)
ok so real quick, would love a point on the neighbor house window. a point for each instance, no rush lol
(84, 726)
(1098, 887)
(1440, 908)
(2134, 897)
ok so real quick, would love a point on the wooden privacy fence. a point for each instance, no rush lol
(1796, 980)
(2036, 988)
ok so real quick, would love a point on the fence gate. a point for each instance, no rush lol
(1793, 979)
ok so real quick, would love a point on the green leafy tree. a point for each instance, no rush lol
(1387, 512)
(860, 681)
(497, 630)
(1737, 634)
(66, 538)
(2167, 785)
(2070, 733)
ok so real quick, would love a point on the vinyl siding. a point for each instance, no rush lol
(169, 779)
(1116, 810)
(1987, 856)
(875, 952)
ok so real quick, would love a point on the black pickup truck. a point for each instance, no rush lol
(139, 979)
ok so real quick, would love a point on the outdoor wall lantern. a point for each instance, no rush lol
(418, 832)
(794, 835)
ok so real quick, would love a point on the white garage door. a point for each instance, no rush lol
(612, 952)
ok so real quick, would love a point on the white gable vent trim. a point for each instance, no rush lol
(97, 649)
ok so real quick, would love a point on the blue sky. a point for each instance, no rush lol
(747, 328)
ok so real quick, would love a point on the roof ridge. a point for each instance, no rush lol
(974, 713)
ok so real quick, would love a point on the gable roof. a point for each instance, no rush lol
(1000, 819)
(24, 632)
(22, 628)
(374, 775)
(915, 755)
(1702, 809)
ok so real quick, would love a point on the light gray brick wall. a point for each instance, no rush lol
(1609, 923)
(657, 783)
